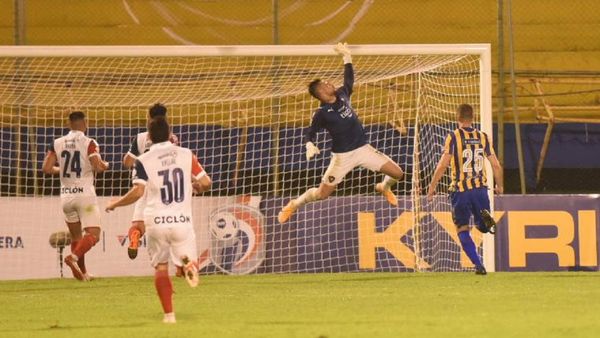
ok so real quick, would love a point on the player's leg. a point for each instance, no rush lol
(137, 229)
(481, 211)
(184, 253)
(461, 213)
(339, 166)
(89, 214)
(69, 208)
(375, 160)
(158, 249)
(72, 261)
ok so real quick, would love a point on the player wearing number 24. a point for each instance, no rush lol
(464, 151)
(78, 157)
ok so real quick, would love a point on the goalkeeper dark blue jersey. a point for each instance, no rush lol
(340, 119)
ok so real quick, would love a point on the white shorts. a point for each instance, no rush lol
(138, 210)
(342, 163)
(171, 242)
(82, 209)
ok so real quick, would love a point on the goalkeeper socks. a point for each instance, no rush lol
(309, 196)
(80, 260)
(164, 288)
(84, 245)
(469, 247)
(388, 182)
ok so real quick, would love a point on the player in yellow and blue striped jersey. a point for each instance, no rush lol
(464, 151)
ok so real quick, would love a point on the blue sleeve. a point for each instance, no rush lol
(348, 79)
(133, 148)
(315, 125)
(139, 172)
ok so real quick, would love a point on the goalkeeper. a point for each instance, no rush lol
(349, 141)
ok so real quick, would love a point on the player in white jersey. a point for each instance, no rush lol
(167, 175)
(140, 144)
(78, 157)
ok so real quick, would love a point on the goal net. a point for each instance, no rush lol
(243, 111)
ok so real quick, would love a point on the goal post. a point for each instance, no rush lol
(243, 110)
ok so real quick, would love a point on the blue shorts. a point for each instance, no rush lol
(467, 203)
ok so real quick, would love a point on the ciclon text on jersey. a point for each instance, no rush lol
(172, 219)
(71, 190)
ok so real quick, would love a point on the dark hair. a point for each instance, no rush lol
(76, 116)
(158, 129)
(465, 112)
(312, 88)
(157, 110)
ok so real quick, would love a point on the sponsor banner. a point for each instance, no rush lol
(239, 235)
(547, 232)
(361, 233)
(28, 223)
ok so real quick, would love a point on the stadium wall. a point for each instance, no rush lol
(342, 234)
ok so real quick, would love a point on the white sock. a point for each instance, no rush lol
(309, 196)
(388, 182)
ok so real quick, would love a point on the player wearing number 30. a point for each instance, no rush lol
(465, 151)
(78, 157)
(349, 141)
(168, 175)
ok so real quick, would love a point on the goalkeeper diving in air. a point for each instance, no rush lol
(350, 148)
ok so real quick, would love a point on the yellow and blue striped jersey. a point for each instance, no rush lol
(468, 147)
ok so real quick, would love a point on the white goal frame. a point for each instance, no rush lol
(482, 50)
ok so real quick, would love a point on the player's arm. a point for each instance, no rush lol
(438, 174)
(200, 180)
(49, 167)
(342, 49)
(134, 194)
(95, 159)
(498, 173)
(131, 155)
(488, 149)
(311, 135)
(139, 178)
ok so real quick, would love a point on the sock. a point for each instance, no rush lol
(388, 182)
(164, 288)
(133, 228)
(80, 260)
(84, 245)
(469, 247)
(309, 196)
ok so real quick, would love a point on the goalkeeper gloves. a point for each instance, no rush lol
(343, 50)
(311, 150)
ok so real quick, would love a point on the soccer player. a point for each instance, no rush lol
(167, 175)
(139, 145)
(464, 150)
(349, 141)
(78, 157)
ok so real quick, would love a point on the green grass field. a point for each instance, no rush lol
(314, 305)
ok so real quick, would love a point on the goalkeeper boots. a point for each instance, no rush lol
(287, 212)
(480, 270)
(190, 271)
(387, 193)
(134, 242)
(488, 222)
(71, 261)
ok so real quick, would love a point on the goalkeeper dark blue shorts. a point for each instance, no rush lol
(467, 203)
